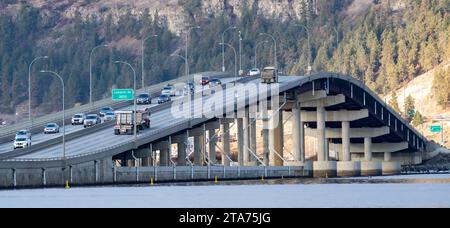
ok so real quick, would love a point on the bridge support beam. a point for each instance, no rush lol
(390, 167)
(225, 138)
(240, 140)
(322, 167)
(197, 150)
(212, 145)
(181, 141)
(276, 138)
(265, 136)
(298, 135)
(164, 156)
(246, 138)
(369, 167)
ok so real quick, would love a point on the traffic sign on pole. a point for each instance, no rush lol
(436, 129)
(123, 94)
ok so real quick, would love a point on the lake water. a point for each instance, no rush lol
(398, 191)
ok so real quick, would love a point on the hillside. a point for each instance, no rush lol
(385, 43)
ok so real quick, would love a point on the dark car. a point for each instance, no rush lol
(144, 99)
(163, 99)
(214, 83)
(104, 110)
(204, 81)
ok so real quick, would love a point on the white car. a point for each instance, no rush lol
(78, 119)
(24, 133)
(169, 91)
(109, 116)
(254, 72)
(22, 142)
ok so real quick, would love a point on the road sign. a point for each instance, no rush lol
(122, 94)
(436, 129)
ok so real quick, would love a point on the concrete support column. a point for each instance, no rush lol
(265, 137)
(276, 138)
(321, 133)
(240, 141)
(253, 139)
(212, 146)
(145, 162)
(387, 157)
(246, 145)
(197, 151)
(181, 160)
(346, 141)
(164, 156)
(224, 129)
(298, 135)
(368, 149)
(390, 167)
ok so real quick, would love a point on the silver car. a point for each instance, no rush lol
(91, 120)
(51, 128)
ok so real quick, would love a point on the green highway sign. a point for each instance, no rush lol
(122, 94)
(436, 129)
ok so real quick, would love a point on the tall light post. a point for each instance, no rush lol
(143, 71)
(134, 100)
(275, 46)
(223, 47)
(90, 71)
(309, 47)
(29, 87)
(54, 74)
(235, 61)
(240, 52)
(256, 51)
(187, 47)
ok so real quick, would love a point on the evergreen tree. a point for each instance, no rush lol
(393, 103)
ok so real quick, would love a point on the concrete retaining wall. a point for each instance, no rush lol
(103, 172)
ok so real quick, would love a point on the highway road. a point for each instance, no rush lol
(160, 121)
(41, 137)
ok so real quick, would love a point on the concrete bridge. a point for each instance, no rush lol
(368, 138)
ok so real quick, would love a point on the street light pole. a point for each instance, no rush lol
(29, 87)
(235, 61)
(309, 47)
(134, 100)
(143, 71)
(223, 47)
(90, 71)
(256, 51)
(187, 47)
(54, 74)
(275, 45)
(240, 51)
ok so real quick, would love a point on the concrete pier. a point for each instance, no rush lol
(348, 169)
(321, 133)
(225, 138)
(371, 168)
(197, 151)
(324, 169)
(298, 135)
(212, 146)
(391, 168)
(276, 138)
(240, 140)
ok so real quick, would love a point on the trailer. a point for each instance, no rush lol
(125, 121)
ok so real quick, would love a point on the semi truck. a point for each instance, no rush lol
(125, 121)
